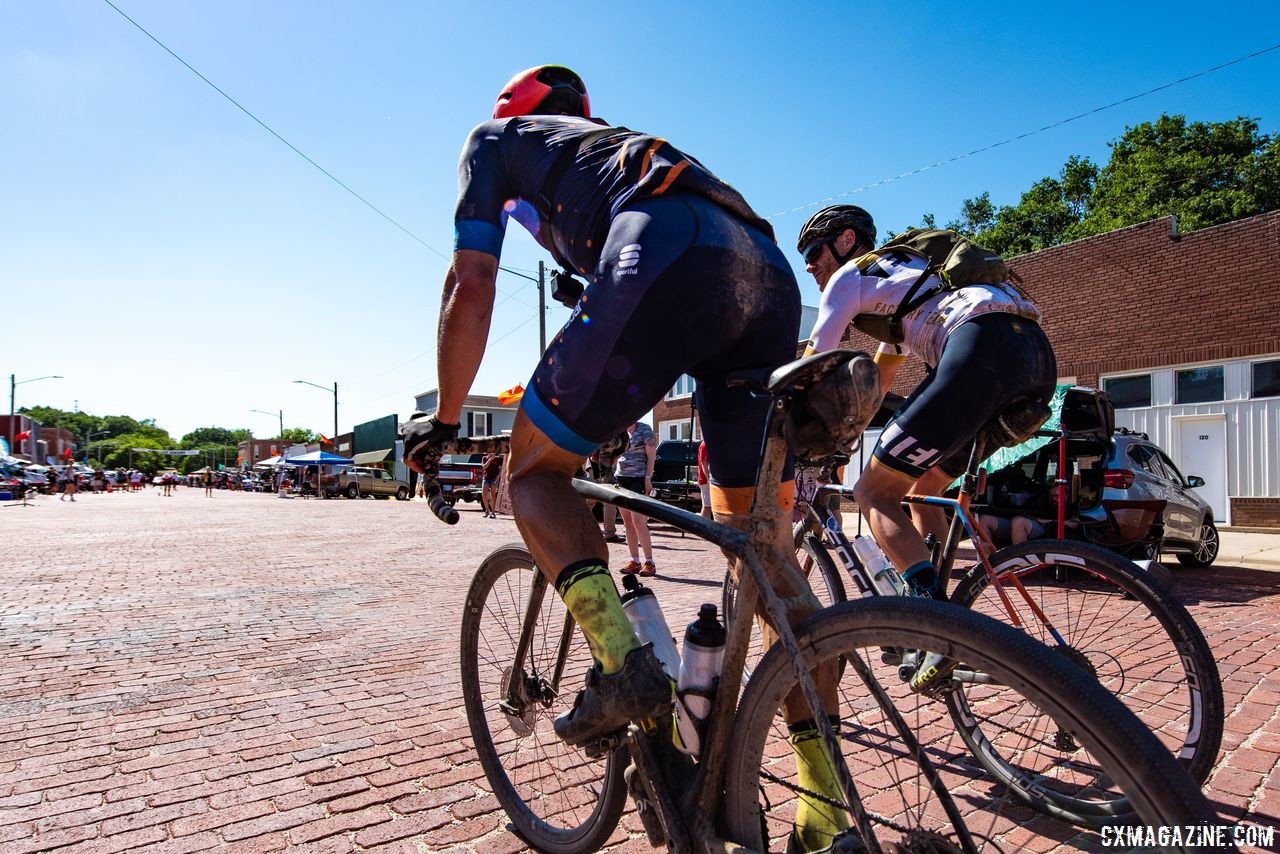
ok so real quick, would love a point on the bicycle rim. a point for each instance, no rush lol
(1124, 628)
(941, 802)
(558, 798)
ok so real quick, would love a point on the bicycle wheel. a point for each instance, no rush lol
(558, 798)
(910, 765)
(1124, 628)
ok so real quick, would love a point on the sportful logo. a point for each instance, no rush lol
(628, 258)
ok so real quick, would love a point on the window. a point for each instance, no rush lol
(682, 388)
(673, 430)
(1171, 471)
(1128, 392)
(1266, 379)
(479, 423)
(1198, 385)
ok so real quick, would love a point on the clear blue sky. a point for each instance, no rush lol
(172, 260)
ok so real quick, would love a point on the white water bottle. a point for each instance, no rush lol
(699, 669)
(884, 577)
(645, 616)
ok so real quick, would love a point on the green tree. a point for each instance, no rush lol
(120, 452)
(299, 435)
(1204, 173)
(203, 436)
(976, 216)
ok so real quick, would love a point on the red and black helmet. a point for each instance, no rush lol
(547, 90)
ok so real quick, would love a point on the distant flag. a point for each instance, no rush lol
(25, 434)
(511, 395)
(325, 439)
(66, 455)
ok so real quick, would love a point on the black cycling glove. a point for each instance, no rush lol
(425, 437)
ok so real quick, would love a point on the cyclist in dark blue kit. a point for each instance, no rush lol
(682, 277)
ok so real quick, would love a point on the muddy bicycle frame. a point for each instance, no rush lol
(690, 825)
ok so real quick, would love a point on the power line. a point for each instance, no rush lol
(1021, 136)
(269, 130)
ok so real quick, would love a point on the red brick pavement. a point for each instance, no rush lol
(243, 673)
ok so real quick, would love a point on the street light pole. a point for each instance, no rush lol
(335, 404)
(13, 385)
(281, 416)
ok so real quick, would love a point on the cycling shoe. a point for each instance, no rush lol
(609, 702)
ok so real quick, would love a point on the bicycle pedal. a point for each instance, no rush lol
(606, 745)
(891, 655)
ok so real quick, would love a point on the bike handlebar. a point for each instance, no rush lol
(431, 488)
(443, 510)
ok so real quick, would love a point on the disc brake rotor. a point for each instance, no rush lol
(520, 718)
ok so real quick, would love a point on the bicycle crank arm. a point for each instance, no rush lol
(651, 790)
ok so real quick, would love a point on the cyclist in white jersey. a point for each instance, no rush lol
(982, 345)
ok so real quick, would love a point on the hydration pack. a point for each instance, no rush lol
(955, 259)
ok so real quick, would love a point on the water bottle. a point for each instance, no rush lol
(884, 577)
(699, 669)
(645, 616)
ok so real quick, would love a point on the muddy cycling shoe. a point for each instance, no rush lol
(609, 702)
(848, 842)
(933, 675)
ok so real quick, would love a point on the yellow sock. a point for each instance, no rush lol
(816, 821)
(588, 592)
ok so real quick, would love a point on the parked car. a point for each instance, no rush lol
(1124, 491)
(35, 481)
(675, 473)
(461, 477)
(359, 481)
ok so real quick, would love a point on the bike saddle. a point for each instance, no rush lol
(801, 372)
(1017, 423)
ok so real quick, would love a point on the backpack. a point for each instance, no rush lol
(954, 258)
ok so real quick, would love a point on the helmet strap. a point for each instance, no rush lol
(841, 259)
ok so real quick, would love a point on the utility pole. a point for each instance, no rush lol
(542, 309)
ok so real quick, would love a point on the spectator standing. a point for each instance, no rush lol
(208, 482)
(68, 481)
(491, 471)
(601, 473)
(635, 473)
(704, 482)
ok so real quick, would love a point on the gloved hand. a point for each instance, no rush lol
(424, 439)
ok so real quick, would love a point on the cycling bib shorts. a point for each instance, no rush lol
(987, 363)
(682, 286)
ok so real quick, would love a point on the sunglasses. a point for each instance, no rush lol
(811, 252)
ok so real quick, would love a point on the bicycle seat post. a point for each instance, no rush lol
(765, 549)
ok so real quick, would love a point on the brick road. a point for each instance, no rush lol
(243, 673)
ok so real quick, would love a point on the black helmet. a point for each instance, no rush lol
(827, 224)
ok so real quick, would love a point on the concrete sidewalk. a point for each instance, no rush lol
(1249, 548)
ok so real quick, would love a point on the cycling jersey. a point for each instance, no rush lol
(506, 163)
(875, 284)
